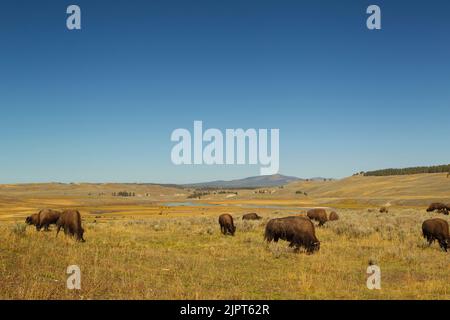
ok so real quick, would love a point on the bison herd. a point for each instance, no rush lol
(68, 220)
(299, 231)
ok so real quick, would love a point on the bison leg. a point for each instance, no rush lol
(428, 237)
(80, 237)
(443, 244)
(57, 230)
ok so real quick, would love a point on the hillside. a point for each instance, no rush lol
(416, 189)
(355, 191)
(250, 182)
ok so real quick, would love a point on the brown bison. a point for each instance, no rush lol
(33, 220)
(46, 217)
(319, 215)
(384, 210)
(251, 216)
(227, 224)
(333, 216)
(299, 231)
(436, 229)
(440, 207)
(70, 221)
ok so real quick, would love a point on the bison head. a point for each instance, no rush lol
(315, 246)
(29, 220)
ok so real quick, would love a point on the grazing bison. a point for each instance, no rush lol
(436, 229)
(384, 210)
(70, 221)
(319, 215)
(299, 231)
(333, 216)
(33, 220)
(440, 207)
(226, 224)
(251, 216)
(46, 217)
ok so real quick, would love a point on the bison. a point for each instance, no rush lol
(33, 220)
(319, 215)
(436, 229)
(440, 207)
(299, 231)
(70, 221)
(333, 216)
(384, 210)
(46, 217)
(227, 224)
(251, 216)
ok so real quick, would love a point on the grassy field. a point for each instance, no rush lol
(186, 257)
(139, 248)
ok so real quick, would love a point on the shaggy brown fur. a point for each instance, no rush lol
(319, 215)
(70, 221)
(436, 229)
(47, 217)
(227, 224)
(299, 231)
(333, 216)
(33, 220)
(439, 207)
(251, 216)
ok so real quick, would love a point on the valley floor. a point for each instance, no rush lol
(157, 252)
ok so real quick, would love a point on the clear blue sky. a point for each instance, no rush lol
(100, 104)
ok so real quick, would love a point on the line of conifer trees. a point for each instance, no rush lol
(412, 170)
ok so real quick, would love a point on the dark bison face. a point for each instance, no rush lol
(429, 209)
(28, 220)
(233, 230)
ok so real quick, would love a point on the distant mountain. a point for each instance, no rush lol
(250, 182)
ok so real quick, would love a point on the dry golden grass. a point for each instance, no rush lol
(138, 248)
(179, 253)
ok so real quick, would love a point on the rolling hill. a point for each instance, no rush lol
(250, 182)
(417, 189)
